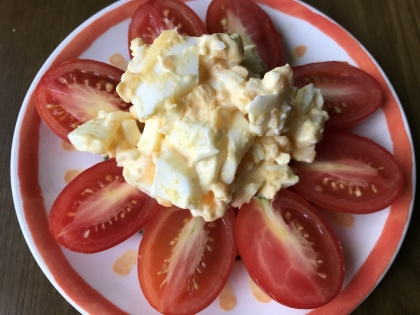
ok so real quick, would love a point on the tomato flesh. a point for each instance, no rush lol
(73, 93)
(155, 16)
(350, 94)
(246, 18)
(350, 174)
(184, 262)
(290, 251)
(99, 209)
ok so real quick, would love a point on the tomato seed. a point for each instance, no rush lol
(306, 235)
(322, 275)
(288, 215)
(209, 248)
(109, 87)
(109, 178)
(212, 224)
(86, 234)
(319, 262)
(374, 189)
(196, 286)
(62, 80)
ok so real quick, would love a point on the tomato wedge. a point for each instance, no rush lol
(350, 174)
(99, 209)
(350, 94)
(247, 19)
(73, 93)
(184, 262)
(290, 251)
(155, 16)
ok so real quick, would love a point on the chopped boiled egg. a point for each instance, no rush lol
(306, 122)
(106, 134)
(215, 133)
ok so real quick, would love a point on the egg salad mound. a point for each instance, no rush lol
(215, 134)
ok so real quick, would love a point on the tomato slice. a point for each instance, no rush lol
(350, 94)
(73, 93)
(350, 174)
(290, 251)
(247, 19)
(184, 262)
(155, 16)
(99, 209)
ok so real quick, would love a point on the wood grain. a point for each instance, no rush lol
(30, 30)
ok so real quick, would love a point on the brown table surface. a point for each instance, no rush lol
(30, 30)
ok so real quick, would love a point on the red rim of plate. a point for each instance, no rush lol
(87, 299)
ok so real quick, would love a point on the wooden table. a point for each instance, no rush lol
(30, 30)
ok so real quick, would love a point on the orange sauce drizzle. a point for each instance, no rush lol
(259, 294)
(298, 52)
(67, 146)
(118, 61)
(227, 298)
(69, 175)
(123, 265)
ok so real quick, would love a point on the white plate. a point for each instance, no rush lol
(90, 284)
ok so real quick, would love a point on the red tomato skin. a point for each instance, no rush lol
(273, 265)
(382, 187)
(155, 246)
(150, 15)
(108, 234)
(361, 102)
(256, 23)
(49, 84)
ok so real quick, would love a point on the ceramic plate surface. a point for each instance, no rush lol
(106, 282)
